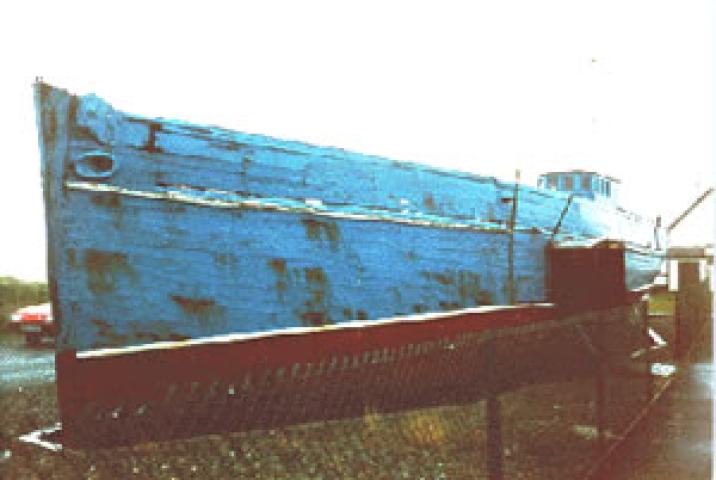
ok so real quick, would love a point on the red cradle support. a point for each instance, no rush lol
(233, 383)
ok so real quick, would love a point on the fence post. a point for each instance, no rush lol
(677, 325)
(686, 309)
(707, 300)
(492, 405)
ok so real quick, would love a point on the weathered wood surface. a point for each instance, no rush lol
(161, 230)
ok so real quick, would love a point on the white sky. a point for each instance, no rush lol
(624, 87)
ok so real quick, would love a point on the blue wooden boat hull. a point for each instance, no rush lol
(277, 282)
(161, 230)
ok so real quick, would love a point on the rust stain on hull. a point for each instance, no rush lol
(320, 230)
(463, 284)
(317, 305)
(315, 319)
(278, 266)
(193, 306)
(103, 269)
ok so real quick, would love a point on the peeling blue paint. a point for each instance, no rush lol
(197, 231)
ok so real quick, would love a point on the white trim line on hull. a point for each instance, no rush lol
(231, 200)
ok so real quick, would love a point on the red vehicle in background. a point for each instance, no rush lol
(35, 322)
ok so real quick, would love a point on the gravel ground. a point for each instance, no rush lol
(548, 432)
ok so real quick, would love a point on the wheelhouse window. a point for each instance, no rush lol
(568, 183)
(586, 182)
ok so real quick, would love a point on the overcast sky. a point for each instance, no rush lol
(622, 87)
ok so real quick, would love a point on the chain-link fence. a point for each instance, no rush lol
(535, 395)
